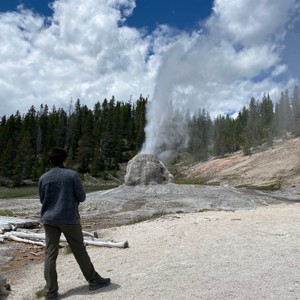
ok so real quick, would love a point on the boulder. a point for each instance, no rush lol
(146, 169)
(4, 287)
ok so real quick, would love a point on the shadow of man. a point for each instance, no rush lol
(83, 290)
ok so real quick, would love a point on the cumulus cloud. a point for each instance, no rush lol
(237, 55)
(85, 50)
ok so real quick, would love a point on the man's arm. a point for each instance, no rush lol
(79, 191)
(41, 194)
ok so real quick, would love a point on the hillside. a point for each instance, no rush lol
(269, 168)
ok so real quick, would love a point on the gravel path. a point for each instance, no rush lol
(247, 254)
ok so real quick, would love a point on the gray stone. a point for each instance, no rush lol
(12, 223)
(147, 169)
(4, 287)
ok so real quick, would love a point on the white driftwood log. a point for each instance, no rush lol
(93, 234)
(27, 235)
(12, 237)
(35, 238)
(109, 244)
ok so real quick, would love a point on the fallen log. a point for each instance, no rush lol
(109, 244)
(34, 234)
(27, 235)
(12, 237)
(35, 238)
(91, 234)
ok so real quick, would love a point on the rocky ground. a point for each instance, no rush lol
(228, 180)
(244, 254)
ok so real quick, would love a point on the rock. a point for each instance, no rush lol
(146, 169)
(4, 287)
(12, 223)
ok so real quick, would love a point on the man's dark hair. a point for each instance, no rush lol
(57, 156)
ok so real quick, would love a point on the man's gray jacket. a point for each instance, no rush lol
(60, 192)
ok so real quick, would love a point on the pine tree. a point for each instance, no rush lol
(295, 102)
(75, 129)
(3, 135)
(225, 137)
(30, 125)
(98, 163)
(7, 159)
(200, 131)
(284, 113)
(139, 119)
(241, 124)
(23, 162)
(253, 131)
(86, 141)
(267, 115)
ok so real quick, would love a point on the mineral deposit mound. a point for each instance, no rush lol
(145, 169)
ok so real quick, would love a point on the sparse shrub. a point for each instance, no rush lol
(40, 294)
(155, 215)
(67, 250)
(6, 213)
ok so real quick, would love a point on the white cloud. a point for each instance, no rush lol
(237, 56)
(85, 51)
(252, 23)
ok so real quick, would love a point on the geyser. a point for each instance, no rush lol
(147, 169)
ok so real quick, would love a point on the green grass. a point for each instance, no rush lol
(155, 215)
(90, 189)
(19, 192)
(270, 187)
(40, 294)
(199, 181)
(203, 210)
(67, 250)
(31, 191)
(6, 213)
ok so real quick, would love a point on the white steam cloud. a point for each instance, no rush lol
(85, 51)
(238, 55)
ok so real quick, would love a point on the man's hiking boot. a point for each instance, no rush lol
(52, 297)
(99, 283)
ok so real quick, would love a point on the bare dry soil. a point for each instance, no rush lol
(214, 231)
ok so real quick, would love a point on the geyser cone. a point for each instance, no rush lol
(147, 169)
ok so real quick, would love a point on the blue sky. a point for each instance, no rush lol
(40, 6)
(147, 14)
(196, 53)
(180, 14)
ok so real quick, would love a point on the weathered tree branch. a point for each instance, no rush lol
(109, 244)
(36, 238)
(12, 237)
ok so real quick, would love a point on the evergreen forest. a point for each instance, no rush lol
(98, 140)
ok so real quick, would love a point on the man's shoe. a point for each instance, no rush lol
(52, 297)
(99, 283)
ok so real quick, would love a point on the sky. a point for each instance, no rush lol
(194, 53)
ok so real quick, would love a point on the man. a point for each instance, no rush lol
(60, 192)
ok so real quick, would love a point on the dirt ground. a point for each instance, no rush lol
(279, 165)
(247, 254)
(216, 241)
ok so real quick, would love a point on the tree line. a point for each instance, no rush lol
(261, 122)
(98, 140)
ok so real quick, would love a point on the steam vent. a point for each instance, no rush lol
(146, 169)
